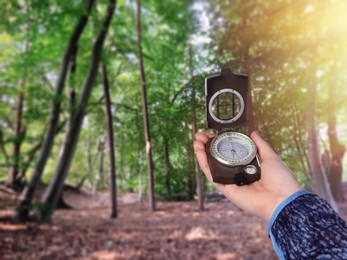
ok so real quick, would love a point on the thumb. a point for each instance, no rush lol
(264, 149)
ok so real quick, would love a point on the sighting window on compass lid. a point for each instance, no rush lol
(226, 106)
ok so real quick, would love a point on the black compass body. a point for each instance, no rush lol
(232, 155)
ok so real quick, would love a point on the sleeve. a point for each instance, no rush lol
(304, 226)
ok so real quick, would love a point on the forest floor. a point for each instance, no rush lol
(177, 230)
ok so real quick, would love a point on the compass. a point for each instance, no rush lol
(232, 155)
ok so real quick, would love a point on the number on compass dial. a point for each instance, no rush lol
(233, 150)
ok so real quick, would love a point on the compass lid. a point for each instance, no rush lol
(226, 100)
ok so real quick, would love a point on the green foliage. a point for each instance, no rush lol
(282, 45)
(285, 47)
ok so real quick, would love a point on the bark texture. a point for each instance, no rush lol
(319, 178)
(151, 198)
(110, 141)
(53, 191)
(48, 140)
(189, 169)
(250, 110)
(12, 176)
(199, 187)
(337, 151)
(14, 181)
(167, 170)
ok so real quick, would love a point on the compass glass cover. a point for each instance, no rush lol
(233, 148)
(226, 106)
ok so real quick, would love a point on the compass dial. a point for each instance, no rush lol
(233, 148)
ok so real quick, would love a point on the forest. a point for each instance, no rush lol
(100, 101)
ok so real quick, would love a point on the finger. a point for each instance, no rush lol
(201, 156)
(211, 135)
(202, 137)
(264, 149)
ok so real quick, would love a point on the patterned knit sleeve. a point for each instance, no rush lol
(304, 226)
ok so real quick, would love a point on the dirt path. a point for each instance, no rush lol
(176, 231)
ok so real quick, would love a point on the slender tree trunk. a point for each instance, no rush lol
(300, 154)
(199, 187)
(112, 155)
(2, 148)
(121, 171)
(18, 133)
(93, 179)
(100, 173)
(89, 164)
(337, 151)
(250, 111)
(141, 157)
(141, 177)
(301, 142)
(189, 170)
(298, 142)
(151, 198)
(320, 181)
(167, 170)
(48, 141)
(34, 150)
(91, 161)
(53, 191)
(18, 139)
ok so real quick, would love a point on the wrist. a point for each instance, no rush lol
(281, 203)
(275, 203)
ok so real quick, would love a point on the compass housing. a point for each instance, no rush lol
(232, 156)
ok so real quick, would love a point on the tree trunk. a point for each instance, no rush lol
(151, 198)
(100, 174)
(301, 142)
(337, 150)
(301, 153)
(112, 156)
(250, 111)
(199, 188)
(167, 170)
(91, 161)
(18, 139)
(3, 150)
(18, 134)
(320, 181)
(48, 141)
(53, 191)
(121, 170)
(141, 197)
(31, 154)
(189, 170)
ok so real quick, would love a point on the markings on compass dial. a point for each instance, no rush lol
(233, 148)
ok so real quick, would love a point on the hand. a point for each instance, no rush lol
(262, 197)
